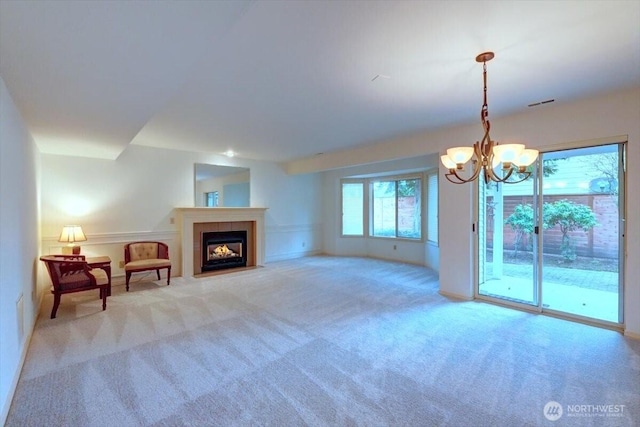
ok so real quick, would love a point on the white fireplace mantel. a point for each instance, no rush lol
(189, 216)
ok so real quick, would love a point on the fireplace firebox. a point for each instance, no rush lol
(224, 249)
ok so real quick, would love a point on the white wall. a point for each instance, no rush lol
(294, 219)
(19, 240)
(423, 253)
(133, 198)
(546, 126)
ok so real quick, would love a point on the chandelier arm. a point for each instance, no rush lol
(490, 175)
(460, 179)
(508, 175)
(527, 175)
(452, 172)
(477, 168)
(503, 179)
(478, 164)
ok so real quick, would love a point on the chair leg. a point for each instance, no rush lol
(158, 273)
(103, 291)
(127, 280)
(56, 304)
(168, 276)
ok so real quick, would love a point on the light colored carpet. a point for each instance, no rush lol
(319, 341)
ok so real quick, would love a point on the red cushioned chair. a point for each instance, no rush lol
(70, 273)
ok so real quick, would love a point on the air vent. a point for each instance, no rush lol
(380, 76)
(535, 104)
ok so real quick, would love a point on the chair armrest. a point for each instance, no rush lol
(163, 251)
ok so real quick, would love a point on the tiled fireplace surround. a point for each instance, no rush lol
(194, 221)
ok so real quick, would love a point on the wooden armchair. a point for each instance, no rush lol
(70, 273)
(145, 256)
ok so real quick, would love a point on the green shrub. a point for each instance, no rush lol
(569, 216)
(521, 222)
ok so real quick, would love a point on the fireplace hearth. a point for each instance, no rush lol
(223, 249)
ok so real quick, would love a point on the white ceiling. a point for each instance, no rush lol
(280, 80)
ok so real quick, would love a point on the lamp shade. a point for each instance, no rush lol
(508, 153)
(527, 157)
(460, 155)
(71, 234)
(447, 162)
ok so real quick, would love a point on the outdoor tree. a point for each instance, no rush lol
(607, 164)
(569, 216)
(521, 222)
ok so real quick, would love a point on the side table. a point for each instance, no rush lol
(103, 262)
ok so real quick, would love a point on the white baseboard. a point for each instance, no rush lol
(455, 296)
(632, 335)
(291, 255)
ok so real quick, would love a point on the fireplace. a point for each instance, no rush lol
(224, 249)
(192, 222)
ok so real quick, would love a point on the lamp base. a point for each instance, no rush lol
(71, 250)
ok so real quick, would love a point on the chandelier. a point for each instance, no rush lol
(497, 162)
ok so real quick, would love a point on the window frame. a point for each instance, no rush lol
(367, 209)
(431, 210)
(364, 209)
(396, 179)
(215, 195)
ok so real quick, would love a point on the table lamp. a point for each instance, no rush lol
(71, 234)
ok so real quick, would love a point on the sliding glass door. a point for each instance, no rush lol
(581, 237)
(554, 242)
(508, 255)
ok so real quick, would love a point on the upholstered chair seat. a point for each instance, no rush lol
(146, 256)
(78, 280)
(146, 264)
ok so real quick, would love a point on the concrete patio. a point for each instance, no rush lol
(581, 292)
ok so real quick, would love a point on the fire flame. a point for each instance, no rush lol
(222, 251)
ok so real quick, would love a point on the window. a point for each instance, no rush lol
(391, 207)
(397, 208)
(211, 199)
(432, 207)
(352, 208)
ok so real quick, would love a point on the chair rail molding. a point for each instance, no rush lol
(117, 238)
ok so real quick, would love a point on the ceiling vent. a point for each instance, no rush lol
(535, 104)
